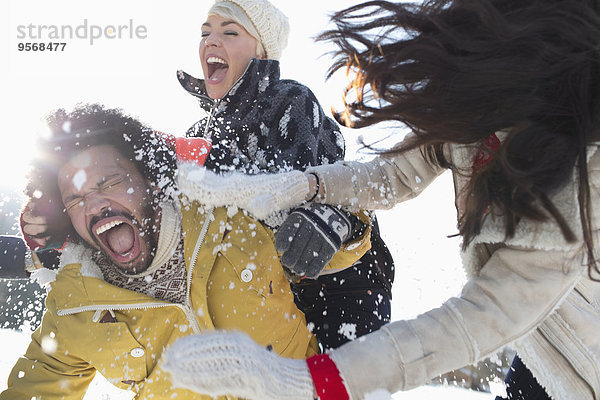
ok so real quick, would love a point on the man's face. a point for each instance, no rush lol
(110, 206)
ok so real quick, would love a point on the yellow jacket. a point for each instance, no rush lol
(235, 281)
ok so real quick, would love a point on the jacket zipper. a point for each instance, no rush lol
(206, 134)
(108, 307)
(187, 308)
(217, 102)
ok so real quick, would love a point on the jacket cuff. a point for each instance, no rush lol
(326, 378)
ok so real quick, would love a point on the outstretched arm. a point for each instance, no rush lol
(377, 184)
(407, 354)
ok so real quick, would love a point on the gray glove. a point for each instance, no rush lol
(309, 238)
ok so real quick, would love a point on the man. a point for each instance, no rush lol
(144, 264)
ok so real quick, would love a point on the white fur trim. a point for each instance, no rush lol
(80, 254)
(44, 277)
(525, 348)
(577, 353)
(71, 254)
(529, 234)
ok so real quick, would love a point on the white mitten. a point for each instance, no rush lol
(231, 363)
(260, 195)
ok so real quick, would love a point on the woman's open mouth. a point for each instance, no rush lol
(119, 238)
(216, 69)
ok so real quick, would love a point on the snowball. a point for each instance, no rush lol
(49, 345)
(231, 211)
(348, 330)
(66, 126)
(79, 179)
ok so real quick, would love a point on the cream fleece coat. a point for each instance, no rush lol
(531, 292)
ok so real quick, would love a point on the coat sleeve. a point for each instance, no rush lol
(48, 369)
(465, 329)
(300, 134)
(378, 184)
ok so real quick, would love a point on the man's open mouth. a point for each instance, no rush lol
(119, 238)
(216, 69)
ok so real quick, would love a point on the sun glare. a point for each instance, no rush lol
(16, 153)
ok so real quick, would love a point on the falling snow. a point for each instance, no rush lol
(49, 345)
(348, 330)
(79, 179)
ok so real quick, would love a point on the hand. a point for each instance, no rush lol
(35, 228)
(309, 238)
(230, 363)
(260, 195)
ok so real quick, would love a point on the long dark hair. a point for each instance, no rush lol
(457, 71)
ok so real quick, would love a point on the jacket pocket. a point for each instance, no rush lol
(250, 250)
(260, 273)
(121, 358)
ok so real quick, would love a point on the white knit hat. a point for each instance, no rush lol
(272, 25)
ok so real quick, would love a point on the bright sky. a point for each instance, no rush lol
(138, 75)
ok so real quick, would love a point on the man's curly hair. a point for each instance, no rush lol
(86, 126)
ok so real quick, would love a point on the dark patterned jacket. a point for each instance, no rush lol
(264, 123)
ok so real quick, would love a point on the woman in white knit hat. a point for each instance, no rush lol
(257, 122)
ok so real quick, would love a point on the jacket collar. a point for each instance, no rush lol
(258, 75)
(535, 235)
